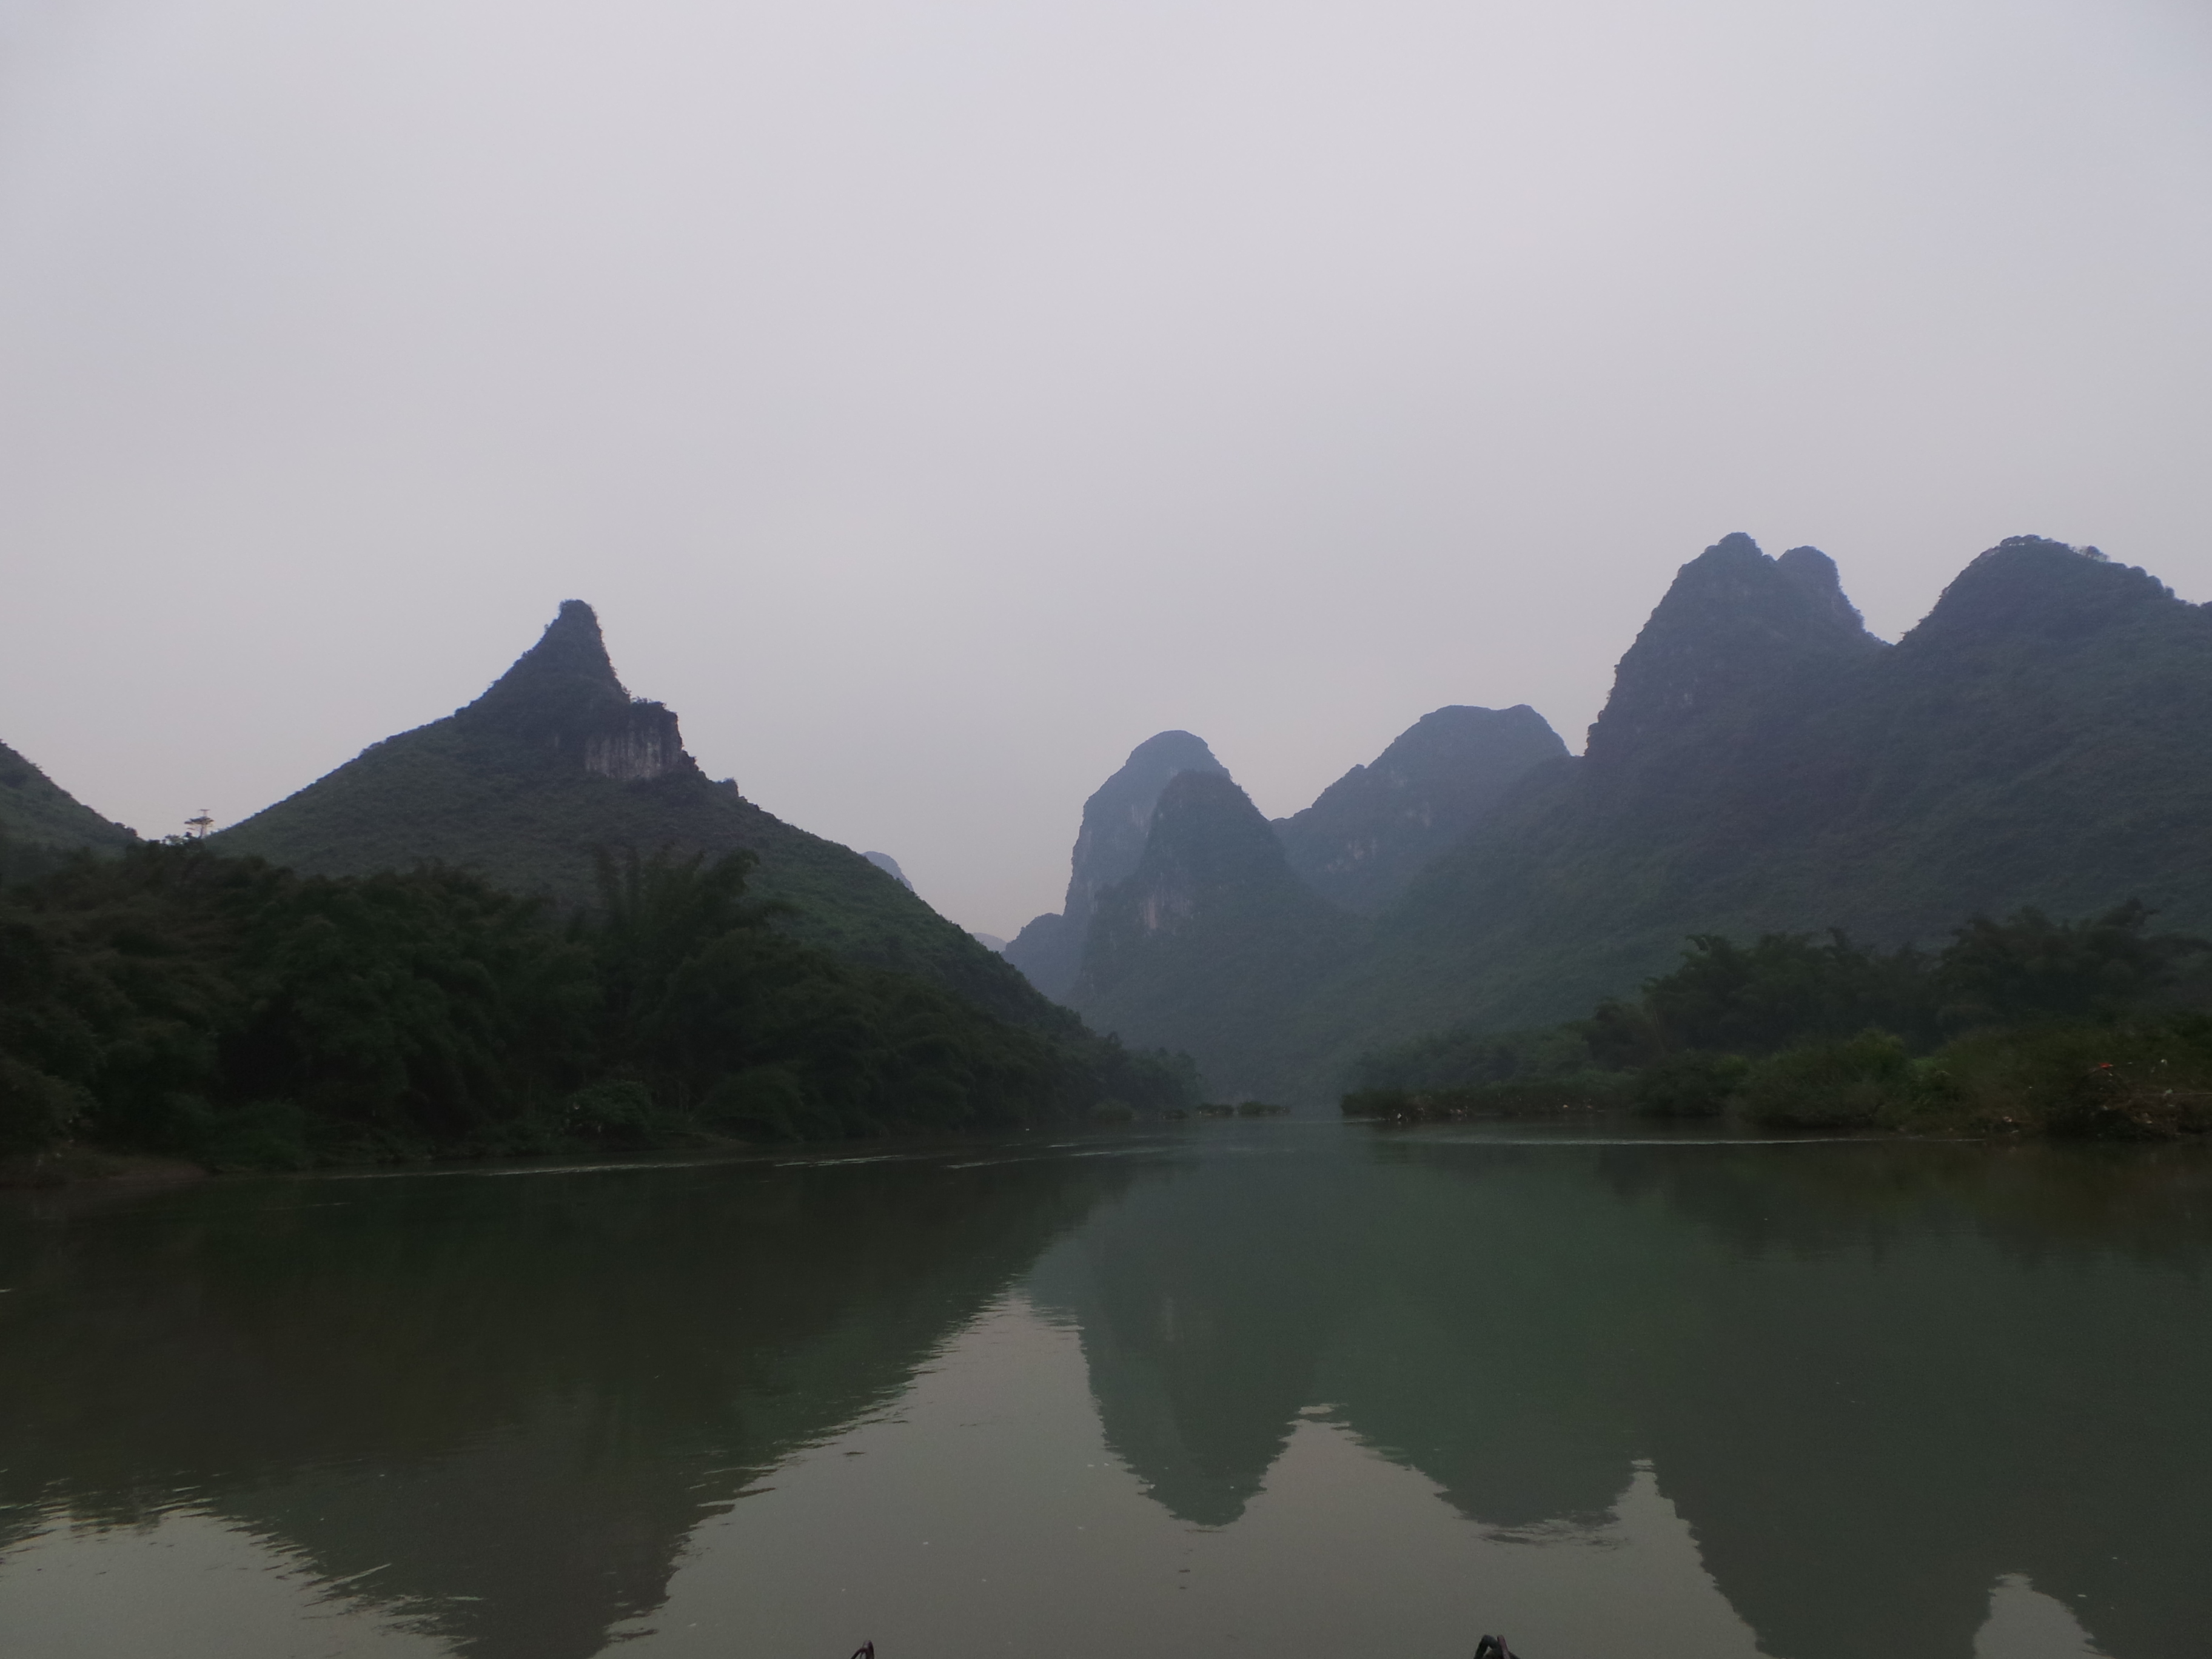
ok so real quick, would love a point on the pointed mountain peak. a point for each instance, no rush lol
(569, 664)
(563, 694)
(1208, 845)
(1119, 816)
(1115, 820)
(1734, 624)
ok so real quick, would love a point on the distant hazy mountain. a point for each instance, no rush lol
(2044, 737)
(39, 819)
(989, 941)
(1115, 820)
(1209, 938)
(1193, 921)
(557, 759)
(1372, 830)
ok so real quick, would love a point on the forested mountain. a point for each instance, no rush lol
(556, 759)
(1115, 820)
(2043, 738)
(39, 819)
(1210, 937)
(1371, 832)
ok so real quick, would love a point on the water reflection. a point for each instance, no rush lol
(1924, 1401)
(1874, 1379)
(512, 1398)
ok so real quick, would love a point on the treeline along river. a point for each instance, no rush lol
(1291, 1389)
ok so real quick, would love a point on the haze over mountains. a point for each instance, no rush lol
(2043, 737)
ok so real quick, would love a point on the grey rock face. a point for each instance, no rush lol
(563, 693)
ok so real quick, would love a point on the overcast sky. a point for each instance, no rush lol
(936, 399)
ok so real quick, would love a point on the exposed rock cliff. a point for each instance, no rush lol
(563, 694)
(1116, 822)
(1373, 828)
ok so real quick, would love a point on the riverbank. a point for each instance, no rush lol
(2142, 1082)
(72, 1166)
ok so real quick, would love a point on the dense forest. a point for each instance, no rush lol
(2092, 1028)
(176, 1000)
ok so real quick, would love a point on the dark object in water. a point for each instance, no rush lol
(1491, 1647)
(867, 1649)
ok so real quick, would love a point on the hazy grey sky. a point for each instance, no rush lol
(936, 399)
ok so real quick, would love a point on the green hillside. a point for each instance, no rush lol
(557, 759)
(39, 819)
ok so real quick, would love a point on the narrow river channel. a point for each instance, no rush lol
(1282, 1389)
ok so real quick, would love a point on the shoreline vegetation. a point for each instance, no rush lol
(175, 1003)
(2026, 1027)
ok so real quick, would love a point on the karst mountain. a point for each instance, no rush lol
(557, 759)
(2043, 738)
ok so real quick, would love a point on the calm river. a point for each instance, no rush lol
(1287, 1390)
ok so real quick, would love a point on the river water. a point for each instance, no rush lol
(1274, 1387)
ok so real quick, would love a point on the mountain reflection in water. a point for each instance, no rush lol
(1876, 1385)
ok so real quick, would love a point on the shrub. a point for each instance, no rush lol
(36, 1111)
(616, 1114)
(2137, 1081)
(1692, 1085)
(1853, 1084)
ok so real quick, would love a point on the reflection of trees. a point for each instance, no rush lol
(1872, 1378)
(520, 1393)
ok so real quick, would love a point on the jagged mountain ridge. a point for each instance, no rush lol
(2044, 737)
(557, 758)
(1116, 819)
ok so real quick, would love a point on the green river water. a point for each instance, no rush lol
(1270, 1389)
